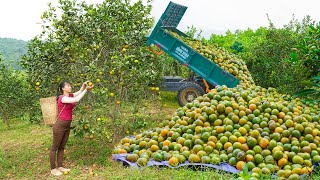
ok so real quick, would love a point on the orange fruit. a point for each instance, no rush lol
(232, 161)
(221, 108)
(299, 127)
(237, 145)
(227, 145)
(243, 121)
(233, 138)
(198, 129)
(164, 132)
(251, 142)
(239, 165)
(245, 147)
(206, 124)
(193, 158)
(289, 123)
(296, 170)
(255, 133)
(278, 130)
(285, 140)
(257, 149)
(170, 133)
(281, 115)
(248, 111)
(297, 160)
(141, 151)
(281, 173)
(249, 158)
(243, 131)
(213, 138)
(242, 113)
(278, 154)
(256, 170)
(282, 162)
(160, 139)
(258, 158)
(181, 140)
(219, 129)
(173, 161)
(252, 107)
(197, 148)
(242, 139)
(217, 122)
(275, 112)
(264, 143)
(265, 152)
(228, 110)
(154, 148)
(142, 161)
(296, 133)
(224, 139)
(125, 140)
(166, 143)
(122, 151)
(201, 153)
(211, 143)
(132, 157)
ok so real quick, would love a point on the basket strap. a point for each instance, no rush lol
(61, 111)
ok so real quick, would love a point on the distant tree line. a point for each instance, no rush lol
(12, 50)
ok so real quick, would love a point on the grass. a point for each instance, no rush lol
(169, 99)
(24, 154)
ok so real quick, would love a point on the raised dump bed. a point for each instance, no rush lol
(183, 53)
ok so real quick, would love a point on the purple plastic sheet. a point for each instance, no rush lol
(222, 166)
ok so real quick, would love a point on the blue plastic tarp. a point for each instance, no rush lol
(222, 166)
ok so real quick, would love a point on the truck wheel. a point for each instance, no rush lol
(188, 92)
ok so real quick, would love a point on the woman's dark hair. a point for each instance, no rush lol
(61, 85)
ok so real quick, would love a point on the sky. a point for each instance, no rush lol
(20, 18)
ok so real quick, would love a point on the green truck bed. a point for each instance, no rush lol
(183, 53)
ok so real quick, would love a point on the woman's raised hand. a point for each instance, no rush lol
(89, 86)
(85, 84)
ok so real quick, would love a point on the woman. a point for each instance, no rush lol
(61, 129)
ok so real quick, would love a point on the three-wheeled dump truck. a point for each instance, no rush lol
(204, 75)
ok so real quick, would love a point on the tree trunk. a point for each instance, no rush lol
(116, 135)
(6, 118)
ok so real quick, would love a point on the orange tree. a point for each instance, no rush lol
(266, 51)
(14, 92)
(307, 51)
(103, 43)
(307, 54)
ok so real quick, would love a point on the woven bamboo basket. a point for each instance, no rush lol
(49, 110)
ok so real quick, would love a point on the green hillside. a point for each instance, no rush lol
(12, 50)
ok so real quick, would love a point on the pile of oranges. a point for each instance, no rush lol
(268, 131)
(227, 61)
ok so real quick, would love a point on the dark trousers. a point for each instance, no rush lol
(61, 131)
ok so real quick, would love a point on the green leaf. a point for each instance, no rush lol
(307, 38)
(307, 83)
(305, 92)
(245, 170)
(315, 78)
(294, 56)
(312, 27)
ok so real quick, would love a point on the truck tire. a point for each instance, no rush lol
(188, 92)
